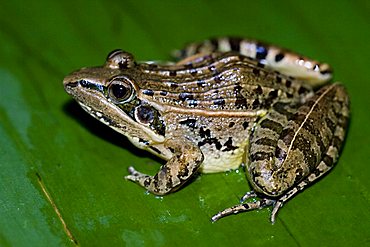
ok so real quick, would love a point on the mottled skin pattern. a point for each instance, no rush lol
(227, 101)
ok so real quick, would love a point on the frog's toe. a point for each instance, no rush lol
(131, 178)
(250, 194)
(132, 171)
(134, 175)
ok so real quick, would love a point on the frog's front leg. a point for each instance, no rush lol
(284, 159)
(184, 163)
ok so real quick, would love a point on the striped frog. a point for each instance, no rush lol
(227, 102)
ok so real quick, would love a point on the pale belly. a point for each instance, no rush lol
(219, 161)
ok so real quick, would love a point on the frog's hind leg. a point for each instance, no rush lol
(327, 162)
(325, 166)
(172, 175)
(273, 57)
(326, 119)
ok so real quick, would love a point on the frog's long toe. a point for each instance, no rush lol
(134, 176)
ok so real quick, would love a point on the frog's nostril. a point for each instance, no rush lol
(70, 84)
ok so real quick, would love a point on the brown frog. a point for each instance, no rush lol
(228, 102)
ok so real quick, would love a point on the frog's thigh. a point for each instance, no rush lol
(326, 164)
(179, 169)
(303, 143)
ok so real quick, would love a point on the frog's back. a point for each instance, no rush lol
(217, 82)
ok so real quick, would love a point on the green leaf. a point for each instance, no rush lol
(61, 171)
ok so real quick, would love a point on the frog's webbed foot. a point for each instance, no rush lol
(177, 171)
(262, 203)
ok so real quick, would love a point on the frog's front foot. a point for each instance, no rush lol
(147, 181)
(177, 171)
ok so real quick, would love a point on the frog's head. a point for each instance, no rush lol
(111, 95)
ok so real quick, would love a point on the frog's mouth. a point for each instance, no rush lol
(92, 99)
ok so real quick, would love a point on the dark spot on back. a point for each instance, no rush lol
(185, 96)
(173, 85)
(163, 93)
(201, 83)
(256, 71)
(289, 95)
(212, 68)
(273, 94)
(302, 90)
(288, 83)
(245, 125)
(173, 73)
(231, 124)
(256, 103)
(258, 90)
(217, 79)
(204, 133)
(219, 101)
(189, 122)
(148, 92)
(240, 103)
(192, 102)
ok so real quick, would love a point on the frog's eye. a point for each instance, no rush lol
(120, 90)
(119, 59)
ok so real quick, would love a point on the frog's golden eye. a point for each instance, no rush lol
(120, 90)
(119, 59)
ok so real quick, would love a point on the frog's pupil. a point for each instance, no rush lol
(119, 91)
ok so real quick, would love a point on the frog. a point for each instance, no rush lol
(225, 103)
